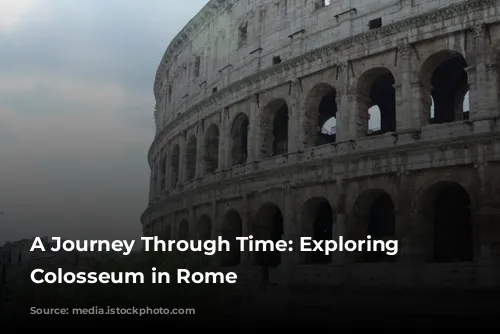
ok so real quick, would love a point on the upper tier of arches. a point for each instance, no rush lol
(229, 40)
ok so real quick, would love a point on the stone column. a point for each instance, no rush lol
(486, 228)
(484, 217)
(225, 142)
(410, 105)
(484, 83)
(340, 228)
(358, 122)
(193, 224)
(161, 179)
(344, 106)
(295, 114)
(246, 221)
(253, 126)
(200, 150)
(168, 171)
(182, 159)
(215, 230)
(406, 220)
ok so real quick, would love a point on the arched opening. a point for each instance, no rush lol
(274, 127)
(191, 149)
(448, 208)
(268, 225)
(377, 101)
(320, 126)
(317, 222)
(174, 166)
(239, 140)
(231, 229)
(375, 217)
(444, 78)
(211, 156)
(204, 228)
(183, 233)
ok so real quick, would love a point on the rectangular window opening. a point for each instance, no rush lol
(376, 23)
(242, 35)
(197, 63)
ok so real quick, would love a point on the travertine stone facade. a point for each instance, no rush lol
(295, 118)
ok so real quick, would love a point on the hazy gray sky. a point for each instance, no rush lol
(76, 112)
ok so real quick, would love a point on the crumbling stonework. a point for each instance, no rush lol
(243, 95)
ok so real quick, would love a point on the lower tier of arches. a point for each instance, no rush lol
(445, 221)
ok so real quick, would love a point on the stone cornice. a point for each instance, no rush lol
(325, 51)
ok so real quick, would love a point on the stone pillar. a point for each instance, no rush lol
(485, 216)
(294, 116)
(161, 178)
(291, 229)
(253, 125)
(200, 150)
(193, 224)
(358, 122)
(345, 106)
(484, 83)
(226, 142)
(340, 228)
(182, 159)
(246, 221)
(215, 230)
(486, 227)
(405, 218)
(410, 105)
(169, 170)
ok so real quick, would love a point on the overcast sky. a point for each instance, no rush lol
(76, 113)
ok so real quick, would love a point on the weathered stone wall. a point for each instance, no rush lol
(249, 158)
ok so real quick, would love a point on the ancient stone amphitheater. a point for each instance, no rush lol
(282, 119)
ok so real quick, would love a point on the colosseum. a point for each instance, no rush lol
(289, 118)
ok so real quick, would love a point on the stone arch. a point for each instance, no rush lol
(274, 127)
(191, 152)
(374, 215)
(445, 80)
(446, 210)
(232, 227)
(376, 101)
(204, 228)
(320, 110)
(239, 139)
(268, 225)
(174, 166)
(211, 149)
(317, 219)
(183, 232)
